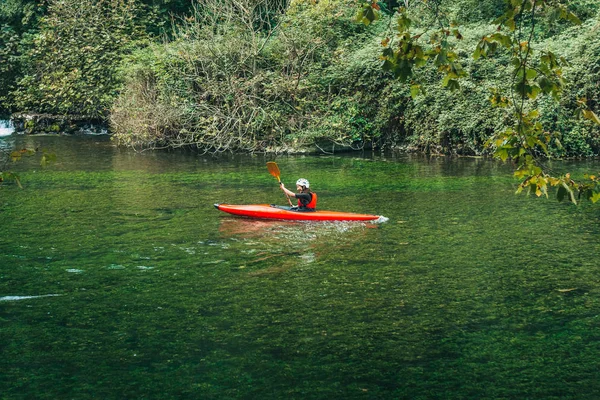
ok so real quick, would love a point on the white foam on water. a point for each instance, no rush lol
(6, 128)
(381, 220)
(308, 257)
(74, 270)
(189, 250)
(17, 298)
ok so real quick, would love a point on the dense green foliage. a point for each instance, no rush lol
(18, 22)
(242, 81)
(48, 44)
(532, 73)
(339, 92)
(70, 68)
(258, 75)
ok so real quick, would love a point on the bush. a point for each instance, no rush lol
(239, 82)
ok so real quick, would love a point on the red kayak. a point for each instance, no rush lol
(267, 211)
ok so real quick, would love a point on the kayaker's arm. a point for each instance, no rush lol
(286, 191)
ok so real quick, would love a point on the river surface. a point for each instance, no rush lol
(120, 280)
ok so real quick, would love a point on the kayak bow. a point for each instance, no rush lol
(267, 211)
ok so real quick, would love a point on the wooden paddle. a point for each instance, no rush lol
(274, 170)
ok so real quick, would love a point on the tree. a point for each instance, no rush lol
(18, 22)
(71, 67)
(232, 78)
(534, 73)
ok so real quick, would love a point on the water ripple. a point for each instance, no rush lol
(17, 298)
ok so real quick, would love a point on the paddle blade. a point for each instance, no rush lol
(273, 169)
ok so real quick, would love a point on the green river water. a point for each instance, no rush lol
(119, 280)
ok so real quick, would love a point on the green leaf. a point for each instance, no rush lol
(533, 91)
(589, 114)
(502, 154)
(573, 18)
(453, 84)
(446, 80)
(545, 84)
(504, 40)
(403, 70)
(442, 58)
(403, 23)
(415, 90)
(531, 73)
(558, 144)
(522, 88)
(477, 53)
(561, 193)
(387, 65)
(516, 62)
(570, 193)
(510, 23)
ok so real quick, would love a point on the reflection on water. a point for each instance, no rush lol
(246, 227)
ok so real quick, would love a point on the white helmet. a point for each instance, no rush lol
(302, 182)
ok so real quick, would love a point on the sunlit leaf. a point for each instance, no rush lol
(589, 114)
(477, 52)
(573, 18)
(502, 154)
(510, 23)
(415, 90)
(531, 73)
(569, 191)
(533, 91)
(403, 22)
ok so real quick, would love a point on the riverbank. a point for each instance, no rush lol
(33, 123)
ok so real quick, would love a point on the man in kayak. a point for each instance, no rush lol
(307, 200)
